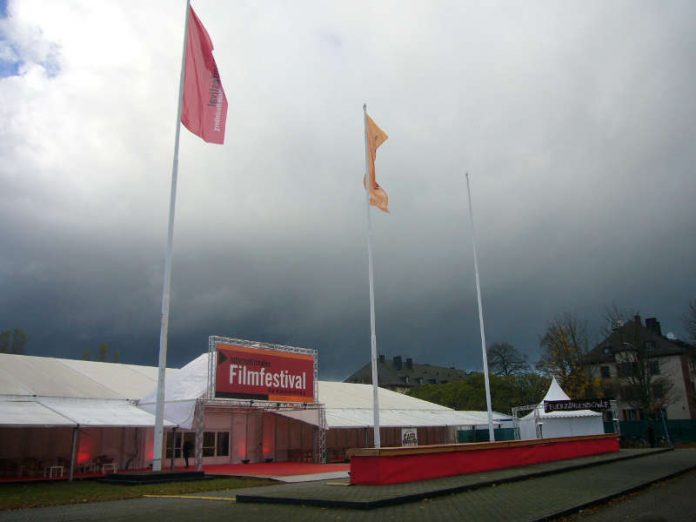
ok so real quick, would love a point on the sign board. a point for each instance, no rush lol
(409, 437)
(590, 404)
(269, 373)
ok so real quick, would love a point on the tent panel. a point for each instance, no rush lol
(29, 413)
(101, 413)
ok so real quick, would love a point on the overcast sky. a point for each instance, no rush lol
(576, 121)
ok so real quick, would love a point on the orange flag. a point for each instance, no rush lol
(375, 137)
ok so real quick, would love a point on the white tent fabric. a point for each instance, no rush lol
(26, 413)
(101, 413)
(27, 375)
(347, 405)
(17, 411)
(63, 392)
(559, 423)
(98, 394)
(181, 390)
(362, 418)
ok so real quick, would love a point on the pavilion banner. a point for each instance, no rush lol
(590, 404)
(204, 107)
(245, 372)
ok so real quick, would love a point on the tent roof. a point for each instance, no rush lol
(71, 412)
(94, 394)
(394, 418)
(347, 405)
(21, 413)
(51, 377)
(556, 393)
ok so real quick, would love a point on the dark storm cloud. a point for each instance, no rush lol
(576, 122)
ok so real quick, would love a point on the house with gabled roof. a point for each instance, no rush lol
(636, 358)
(401, 375)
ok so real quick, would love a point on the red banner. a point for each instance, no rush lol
(204, 105)
(263, 374)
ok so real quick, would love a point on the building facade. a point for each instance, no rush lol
(648, 374)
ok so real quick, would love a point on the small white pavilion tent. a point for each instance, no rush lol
(538, 424)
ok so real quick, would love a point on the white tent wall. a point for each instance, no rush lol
(28, 451)
(127, 447)
(282, 437)
(270, 436)
(527, 428)
(560, 426)
(257, 435)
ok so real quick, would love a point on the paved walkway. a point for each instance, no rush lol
(542, 496)
(331, 494)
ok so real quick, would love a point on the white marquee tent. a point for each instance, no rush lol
(539, 424)
(346, 405)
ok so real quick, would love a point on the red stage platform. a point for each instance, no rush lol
(409, 464)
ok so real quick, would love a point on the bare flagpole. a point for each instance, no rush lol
(166, 289)
(480, 311)
(373, 335)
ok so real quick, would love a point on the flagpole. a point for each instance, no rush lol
(373, 335)
(491, 434)
(166, 288)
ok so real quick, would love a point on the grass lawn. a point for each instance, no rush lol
(29, 495)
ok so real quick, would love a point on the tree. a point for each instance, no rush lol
(504, 359)
(469, 393)
(564, 346)
(614, 317)
(103, 355)
(13, 341)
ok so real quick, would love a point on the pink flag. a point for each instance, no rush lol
(204, 109)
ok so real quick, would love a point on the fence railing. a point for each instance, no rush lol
(637, 433)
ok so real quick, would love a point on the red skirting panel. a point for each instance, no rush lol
(396, 465)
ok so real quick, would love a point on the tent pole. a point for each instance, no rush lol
(171, 460)
(73, 451)
(199, 420)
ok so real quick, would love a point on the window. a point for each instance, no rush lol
(654, 367)
(631, 414)
(209, 444)
(215, 443)
(181, 438)
(223, 444)
(605, 372)
(626, 369)
(606, 350)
